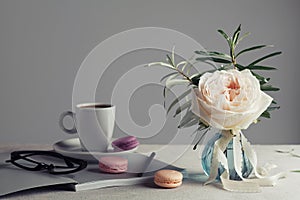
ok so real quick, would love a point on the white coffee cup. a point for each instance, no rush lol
(94, 123)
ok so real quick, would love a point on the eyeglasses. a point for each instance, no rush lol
(36, 161)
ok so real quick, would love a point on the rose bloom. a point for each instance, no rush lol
(229, 100)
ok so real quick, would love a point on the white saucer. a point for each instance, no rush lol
(72, 148)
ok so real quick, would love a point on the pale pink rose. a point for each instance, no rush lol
(229, 100)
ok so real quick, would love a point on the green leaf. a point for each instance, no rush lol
(271, 108)
(236, 35)
(168, 75)
(209, 63)
(252, 48)
(184, 63)
(254, 67)
(164, 95)
(200, 74)
(262, 80)
(226, 37)
(265, 57)
(173, 82)
(190, 123)
(187, 118)
(201, 127)
(202, 136)
(161, 64)
(266, 114)
(225, 67)
(184, 106)
(217, 60)
(164, 92)
(166, 88)
(240, 67)
(178, 99)
(187, 66)
(268, 88)
(260, 67)
(297, 171)
(213, 54)
(170, 61)
(196, 77)
(173, 55)
(241, 38)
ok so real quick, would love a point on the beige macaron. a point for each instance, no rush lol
(168, 178)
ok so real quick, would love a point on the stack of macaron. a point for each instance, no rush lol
(113, 164)
(117, 164)
(125, 143)
(167, 178)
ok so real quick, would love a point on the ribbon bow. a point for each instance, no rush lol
(261, 177)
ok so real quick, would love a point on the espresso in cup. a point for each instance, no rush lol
(96, 106)
(94, 123)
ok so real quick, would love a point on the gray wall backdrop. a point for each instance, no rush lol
(42, 44)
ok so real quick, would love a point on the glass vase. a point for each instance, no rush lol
(207, 157)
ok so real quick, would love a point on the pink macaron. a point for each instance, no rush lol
(125, 143)
(113, 164)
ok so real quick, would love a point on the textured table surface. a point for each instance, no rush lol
(192, 187)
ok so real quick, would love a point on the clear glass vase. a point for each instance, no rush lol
(207, 156)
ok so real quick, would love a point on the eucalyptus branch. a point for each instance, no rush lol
(171, 62)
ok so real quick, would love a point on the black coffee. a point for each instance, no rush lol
(97, 106)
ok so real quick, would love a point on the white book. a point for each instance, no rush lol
(14, 179)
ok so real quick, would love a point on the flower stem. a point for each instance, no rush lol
(233, 59)
(184, 75)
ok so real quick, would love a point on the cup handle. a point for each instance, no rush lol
(61, 122)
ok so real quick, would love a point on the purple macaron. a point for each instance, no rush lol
(126, 143)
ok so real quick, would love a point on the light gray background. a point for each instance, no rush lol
(42, 44)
